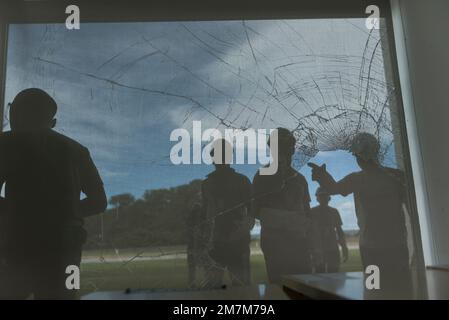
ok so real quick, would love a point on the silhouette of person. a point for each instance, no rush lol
(282, 204)
(41, 224)
(327, 235)
(379, 196)
(194, 220)
(227, 203)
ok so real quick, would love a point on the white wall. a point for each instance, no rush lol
(422, 40)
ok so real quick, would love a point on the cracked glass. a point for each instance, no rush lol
(121, 88)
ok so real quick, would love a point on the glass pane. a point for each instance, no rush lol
(122, 88)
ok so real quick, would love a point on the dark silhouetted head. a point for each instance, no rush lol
(221, 153)
(32, 109)
(365, 147)
(286, 146)
(323, 196)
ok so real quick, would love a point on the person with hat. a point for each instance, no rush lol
(282, 204)
(226, 200)
(327, 235)
(41, 214)
(379, 196)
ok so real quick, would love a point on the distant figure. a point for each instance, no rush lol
(194, 236)
(327, 235)
(227, 201)
(41, 217)
(379, 196)
(282, 204)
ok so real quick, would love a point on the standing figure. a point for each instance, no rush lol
(41, 216)
(227, 203)
(379, 196)
(327, 235)
(282, 204)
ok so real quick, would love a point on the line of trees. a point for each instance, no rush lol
(158, 218)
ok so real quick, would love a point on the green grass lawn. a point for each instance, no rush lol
(164, 274)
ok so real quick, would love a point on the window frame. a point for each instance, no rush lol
(53, 11)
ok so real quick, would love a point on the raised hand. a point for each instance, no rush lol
(317, 171)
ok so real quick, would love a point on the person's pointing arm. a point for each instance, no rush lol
(344, 187)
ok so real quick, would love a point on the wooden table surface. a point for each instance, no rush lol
(434, 285)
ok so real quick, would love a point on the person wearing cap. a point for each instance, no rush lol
(327, 235)
(379, 196)
(41, 214)
(282, 204)
(226, 199)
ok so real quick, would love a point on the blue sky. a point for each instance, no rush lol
(122, 88)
